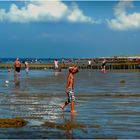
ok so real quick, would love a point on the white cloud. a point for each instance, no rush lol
(122, 20)
(35, 11)
(76, 15)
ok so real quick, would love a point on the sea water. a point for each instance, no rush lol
(106, 107)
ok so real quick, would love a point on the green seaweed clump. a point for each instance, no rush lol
(122, 81)
(12, 123)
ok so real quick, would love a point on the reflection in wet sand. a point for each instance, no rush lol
(17, 80)
(68, 125)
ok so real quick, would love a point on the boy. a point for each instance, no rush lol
(69, 88)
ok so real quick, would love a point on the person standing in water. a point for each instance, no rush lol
(26, 66)
(70, 88)
(17, 66)
(56, 64)
(89, 64)
(103, 65)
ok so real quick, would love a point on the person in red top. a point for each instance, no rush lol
(17, 65)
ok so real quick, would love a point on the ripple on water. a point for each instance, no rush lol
(105, 107)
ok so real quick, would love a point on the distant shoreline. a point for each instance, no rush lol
(109, 67)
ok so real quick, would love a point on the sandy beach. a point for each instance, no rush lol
(106, 108)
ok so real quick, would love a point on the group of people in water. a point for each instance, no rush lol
(58, 66)
(69, 83)
(17, 66)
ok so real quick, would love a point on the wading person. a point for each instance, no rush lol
(89, 64)
(17, 66)
(56, 64)
(26, 66)
(70, 88)
(103, 65)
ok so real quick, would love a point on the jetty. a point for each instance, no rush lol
(114, 63)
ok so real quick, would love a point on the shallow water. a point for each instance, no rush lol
(106, 107)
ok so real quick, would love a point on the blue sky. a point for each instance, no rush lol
(69, 29)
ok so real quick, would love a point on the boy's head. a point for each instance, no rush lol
(73, 69)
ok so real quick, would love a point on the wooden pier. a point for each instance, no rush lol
(94, 66)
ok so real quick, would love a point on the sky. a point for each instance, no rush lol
(70, 29)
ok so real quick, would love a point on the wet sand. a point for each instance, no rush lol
(106, 108)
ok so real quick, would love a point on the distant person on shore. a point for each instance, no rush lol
(17, 66)
(56, 64)
(89, 64)
(70, 88)
(63, 63)
(103, 66)
(26, 66)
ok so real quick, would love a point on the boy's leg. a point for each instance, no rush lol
(72, 103)
(69, 100)
(65, 104)
(72, 107)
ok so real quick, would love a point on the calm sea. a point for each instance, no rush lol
(106, 107)
(34, 60)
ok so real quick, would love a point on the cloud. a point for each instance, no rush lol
(36, 11)
(75, 14)
(122, 20)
